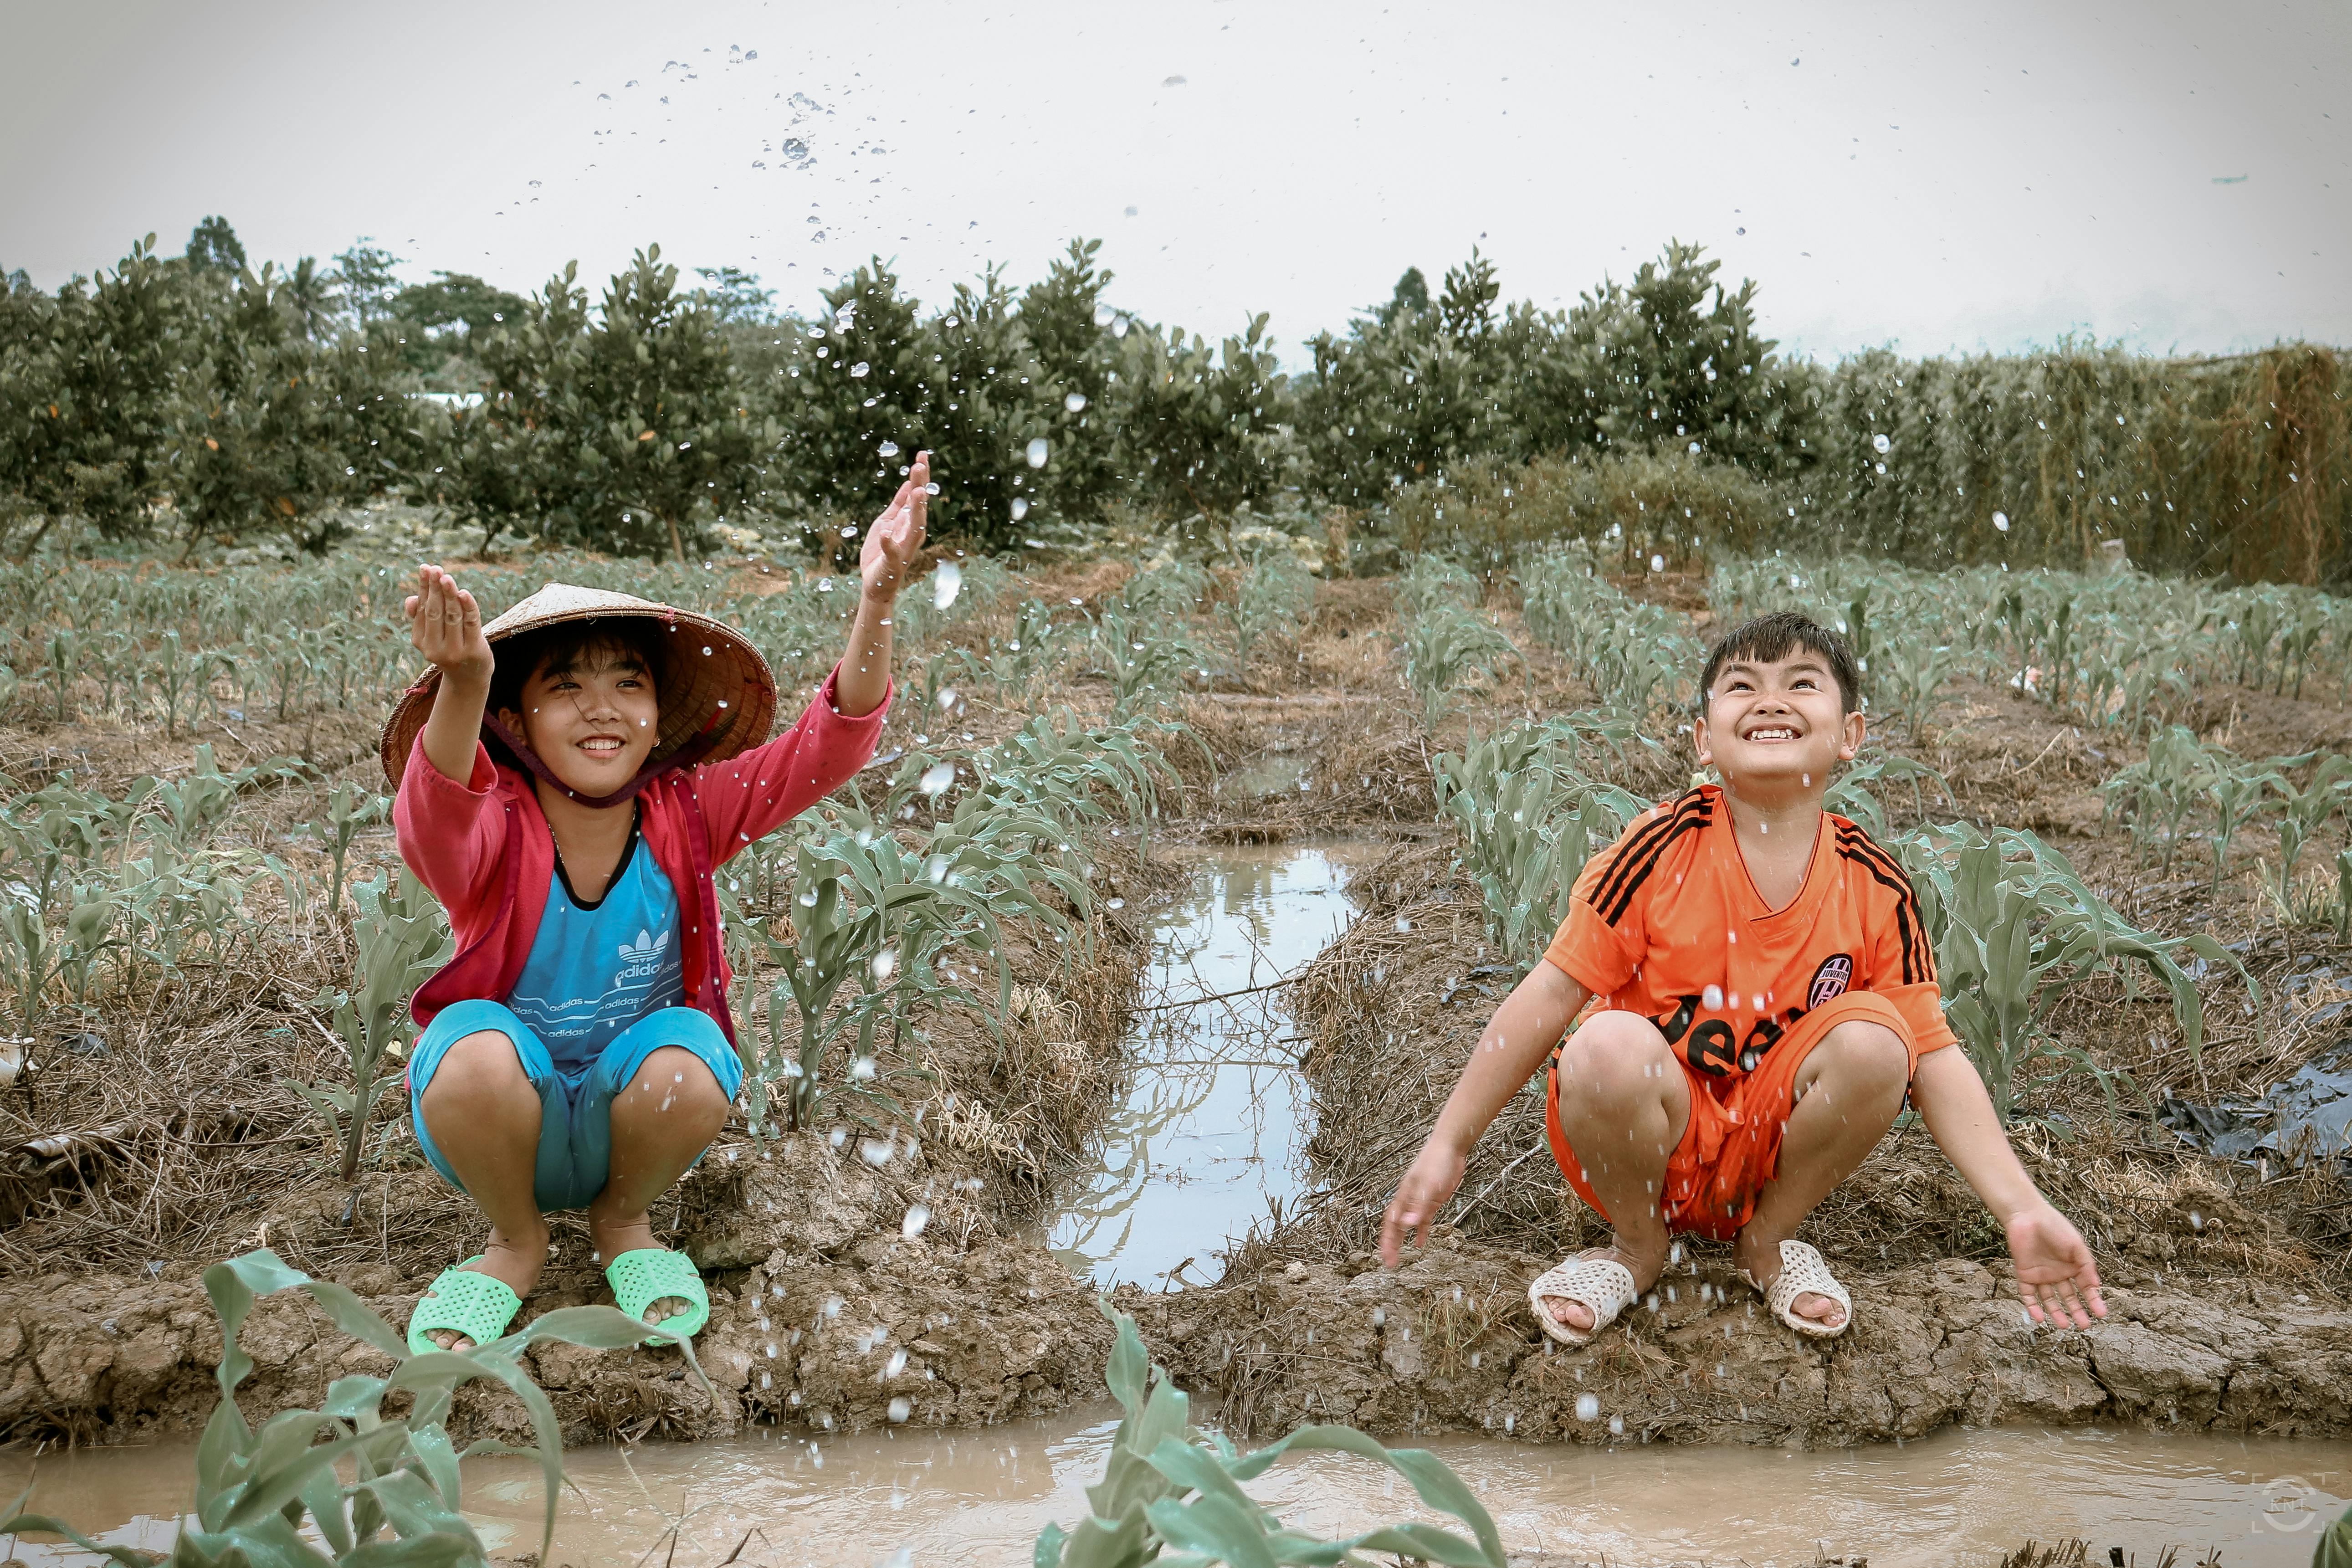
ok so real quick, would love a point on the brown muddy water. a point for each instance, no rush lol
(1214, 1120)
(979, 1497)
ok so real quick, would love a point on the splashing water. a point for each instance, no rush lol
(1020, 508)
(946, 584)
(1588, 1407)
(1037, 451)
(918, 1216)
(1074, 402)
(857, 370)
(1881, 444)
(888, 449)
(936, 779)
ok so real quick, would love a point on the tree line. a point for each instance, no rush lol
(197, 396)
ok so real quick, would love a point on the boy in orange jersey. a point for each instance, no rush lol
(1757, 992)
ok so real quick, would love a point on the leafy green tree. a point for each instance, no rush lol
(313, 297)
(265, 427)
(212, 247)
(1067, 325)
(1203, 427)
(626, 431)
(1411, 389)
(1672, 368)
(1411, 296)
(86, 379)
(365, 276)
(456, 300)
(736, 296)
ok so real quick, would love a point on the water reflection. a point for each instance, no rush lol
(1213, 1126)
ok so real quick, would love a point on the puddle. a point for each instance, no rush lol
(979, 1498)
(1214, 1125)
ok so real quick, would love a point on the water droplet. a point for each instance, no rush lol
(1616, 1426)
(2001, 520)
(1658, 563)
(900, 1408)
(1074, 402)
(1403, 924)
(1713, 996)
(808, 898)
(918, 1216)
(859, 369)
(1881, 444)
(1588, 1407)
(936, 779)
(875, 1152)
(1020, 508)
(885, 964)
(888, 449)
(946, 584)
(935, 870)
(1117, 904)
(1037, 451)
(894, 1366)
(862, 1070)
(1379, 1316)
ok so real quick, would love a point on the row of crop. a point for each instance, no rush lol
(2117, 650)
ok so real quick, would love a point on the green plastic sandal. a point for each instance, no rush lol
(465, 1299)
(640, 1279)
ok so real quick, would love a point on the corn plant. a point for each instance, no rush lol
(2014, 929)
(403, 937)
(350, 809)
(1018, 666)
(1274, 595)
(1912, 676)
(1634, 655)
(1432, 580)
(1172, 1494)
(1853, 797)
(1529, 817)
(271, 1498)
(1166, 589)
(1447, 645)
(1145, 666)
(2159, 792)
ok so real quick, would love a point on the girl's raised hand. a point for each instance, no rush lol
(445, 625)
(896, 536)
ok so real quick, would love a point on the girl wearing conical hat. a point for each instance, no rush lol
(568, 778)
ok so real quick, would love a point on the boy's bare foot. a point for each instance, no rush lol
(1760, 1258)
(614, 1239)
(514, 1261)
(1576, 1315)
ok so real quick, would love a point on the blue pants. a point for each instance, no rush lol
(575, 1105)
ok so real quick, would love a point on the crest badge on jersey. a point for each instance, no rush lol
(1829, 980)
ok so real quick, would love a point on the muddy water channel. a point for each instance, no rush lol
(979, 1497)
(1212, 1127)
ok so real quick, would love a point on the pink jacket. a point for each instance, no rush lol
(483, 848)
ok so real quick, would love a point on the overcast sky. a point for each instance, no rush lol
(1934, 177)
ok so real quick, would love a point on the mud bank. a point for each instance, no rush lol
(969, 1327)
(1447, 1343)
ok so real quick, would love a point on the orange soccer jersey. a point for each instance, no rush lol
(1667, 924)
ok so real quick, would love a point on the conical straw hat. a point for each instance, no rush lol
(718, 696)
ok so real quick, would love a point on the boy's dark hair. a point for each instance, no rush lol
(1769, 638)
(571, 645)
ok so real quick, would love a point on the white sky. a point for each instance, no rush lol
(1975, 176)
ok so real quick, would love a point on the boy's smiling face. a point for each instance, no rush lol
(1771, 725)
(591, 718)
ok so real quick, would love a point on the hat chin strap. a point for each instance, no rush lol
(695, 747)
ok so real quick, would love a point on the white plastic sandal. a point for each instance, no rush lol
(1603, 1284)
(1803, 1272)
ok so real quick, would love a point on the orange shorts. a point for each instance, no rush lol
(1731, 1147)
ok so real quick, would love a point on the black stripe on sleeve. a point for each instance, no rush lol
(1687, 818)
(1918, 960)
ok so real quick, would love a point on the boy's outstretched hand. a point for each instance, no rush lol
(1427, 1185)
(445, 625)
(2055, 1271)
(896, 536)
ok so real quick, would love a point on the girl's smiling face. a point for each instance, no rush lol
(591, 717)
(1777, 721)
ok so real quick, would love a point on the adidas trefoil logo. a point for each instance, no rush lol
(641, 959)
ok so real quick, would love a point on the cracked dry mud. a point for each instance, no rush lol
(808, 1330)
